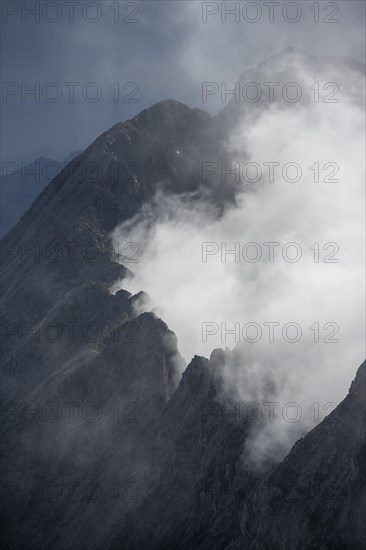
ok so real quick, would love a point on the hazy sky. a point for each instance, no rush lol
(163, 47)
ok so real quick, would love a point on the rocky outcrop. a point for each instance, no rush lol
(204, 495)
(316, 497)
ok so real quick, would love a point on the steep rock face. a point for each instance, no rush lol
(76, 432)
(316, 498)
(72, 326)
(198, 481)
(201, 494)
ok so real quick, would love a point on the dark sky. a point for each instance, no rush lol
(164, 48)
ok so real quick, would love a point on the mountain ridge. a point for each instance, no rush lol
(165, 452)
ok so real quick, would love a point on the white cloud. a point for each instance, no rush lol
(191, 292)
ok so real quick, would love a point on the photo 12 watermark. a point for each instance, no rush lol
(270, 332)
(69, 92)
(70, 12)
(271, 92)
(70, 252)
(270, 172)
(262, 11)
(269, 252)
